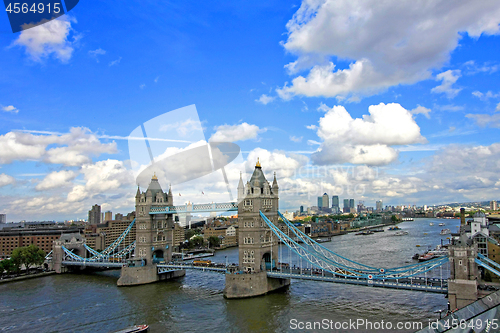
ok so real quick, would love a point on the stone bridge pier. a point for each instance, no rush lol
(73, 242)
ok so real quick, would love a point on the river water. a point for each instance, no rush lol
(194, 303)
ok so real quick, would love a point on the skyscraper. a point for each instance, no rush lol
(379, 206)
(301, 209)
(3, 218)
(108, 216)
(493, 205)
(326, 201)
(335, 204)
(346, 205)
(320, 202)
(95, 215)
(351, 203)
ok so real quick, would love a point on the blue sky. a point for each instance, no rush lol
(299, 85)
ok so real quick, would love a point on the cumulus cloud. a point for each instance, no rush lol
(101, 177)
(448, 78)
(9, 108)
(233, 133)
(386, 43)
(72, 149)
(51, 38)
(6, 180)
(56, 179)
(366, 140)
(265, 99)
(296, 139)
(421, 110)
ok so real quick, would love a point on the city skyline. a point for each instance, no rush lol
(328, 111)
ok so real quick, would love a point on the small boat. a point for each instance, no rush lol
(134, 329)
(431, 224)
(425, 257)
(442, 224)
(364, 233)
(401, 233)
(445, 232)
(394, 228)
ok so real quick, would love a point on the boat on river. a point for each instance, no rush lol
(445, 232)
(401, 233)
(431, 224)
(134, 329)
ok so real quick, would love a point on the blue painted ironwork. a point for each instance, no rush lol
(488, 267)
(320, 261)
(195, 208)
(442, 288)
(191, 266)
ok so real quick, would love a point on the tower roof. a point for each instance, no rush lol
(258, 164)
(258, 175)
(154, 186)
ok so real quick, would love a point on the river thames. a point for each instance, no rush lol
(194, 303)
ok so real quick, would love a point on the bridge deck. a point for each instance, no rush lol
(100, 264)
(418, 284)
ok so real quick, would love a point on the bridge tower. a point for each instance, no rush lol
(154, 237)
(258, 247)
(463, 282)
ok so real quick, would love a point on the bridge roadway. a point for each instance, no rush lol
(434, 285)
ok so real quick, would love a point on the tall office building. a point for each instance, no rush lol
(3, 218)
(335, 204)
(108, 216)
(301, 209)
(346, 206)
(351, 203)
(95, 215)
(325, 201)
(493, 205)
(320, 203)
(378, 206)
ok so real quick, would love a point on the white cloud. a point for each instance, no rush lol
(264, 99)
(486, 120)
(142, 86)
(101, 177)
(449, 107)
(386, 43)
(76, 147)
(9, 108)
(486, 96)
(366, 140)
(296, 139)
(56, 179)
(498, 107)
(94, 54)
(115, 62)
(448, 78)
(6, 180)
(48, 38)
(232, 133)
(421, 110)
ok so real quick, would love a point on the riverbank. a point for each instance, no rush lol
(26, 277)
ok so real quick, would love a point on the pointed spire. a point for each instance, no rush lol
(170, 189)
(138, 191)
(275, 182)
(154, 177)
(240, 184)
(258, 163)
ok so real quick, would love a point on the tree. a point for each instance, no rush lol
(394, 218)
(7, 266)
(214, 241)
(28, 256)
(196, 241)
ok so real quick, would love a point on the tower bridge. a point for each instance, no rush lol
(262, 267)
